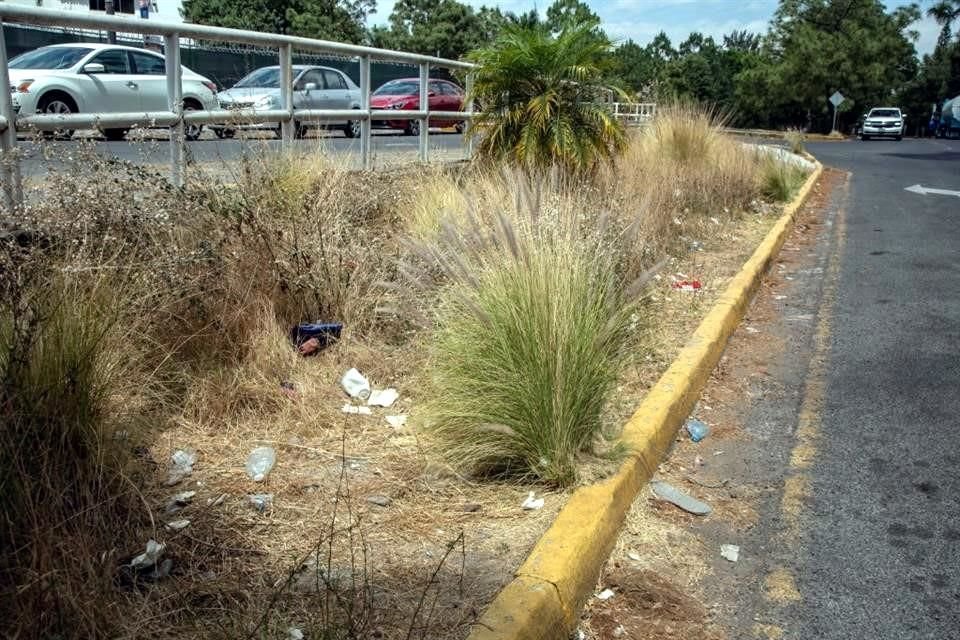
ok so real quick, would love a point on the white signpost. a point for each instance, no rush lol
(836, 100)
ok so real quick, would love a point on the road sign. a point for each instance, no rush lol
(836, 99)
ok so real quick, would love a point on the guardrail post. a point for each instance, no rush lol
(175, 103)
(9, 162)
(286, 94)
(366, 125)
(424, 106)
(468, 125)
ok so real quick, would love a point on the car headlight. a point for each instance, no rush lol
(396, 105)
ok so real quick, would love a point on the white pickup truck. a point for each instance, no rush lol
(883, 122)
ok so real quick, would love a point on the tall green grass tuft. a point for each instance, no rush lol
(528, 345)
(795, 140)
(780, 180)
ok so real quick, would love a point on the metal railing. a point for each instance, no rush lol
(176, 118)
(635, 112)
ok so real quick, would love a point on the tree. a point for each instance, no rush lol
(945, 12)
(570, 12)
(339, 20)
(541, 94)
(641, 68)
(816, 47)
(444, 28)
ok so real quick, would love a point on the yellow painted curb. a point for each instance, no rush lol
(544, 600)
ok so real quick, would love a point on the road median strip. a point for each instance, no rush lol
(544, 599)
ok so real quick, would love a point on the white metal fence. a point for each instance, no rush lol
(635, 112)
(176, 119)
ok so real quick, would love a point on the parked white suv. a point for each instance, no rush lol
(100, 78)
(883, 121)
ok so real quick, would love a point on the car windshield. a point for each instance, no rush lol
(884, 113)
(266, 78)
(398, 88)
(50, 58)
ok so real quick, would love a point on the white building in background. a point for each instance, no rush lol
(166, 10)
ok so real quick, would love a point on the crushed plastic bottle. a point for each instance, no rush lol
(261, 501)
(697, 429)
(260, 463)
(355, 385)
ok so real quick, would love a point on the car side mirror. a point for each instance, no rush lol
(94, 67)
(310, 86)
(431, 94)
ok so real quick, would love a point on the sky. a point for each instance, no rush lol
(641, 20)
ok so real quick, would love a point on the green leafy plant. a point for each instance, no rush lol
(541, 96)
(780, 180)
(795, 140)
(531, 326)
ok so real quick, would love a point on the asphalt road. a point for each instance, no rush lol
(852, 428)
(154, 149)
(883, 546)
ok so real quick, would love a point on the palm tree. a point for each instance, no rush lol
(541, 98)
(945, 12)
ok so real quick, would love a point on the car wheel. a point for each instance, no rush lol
(413, 128)
(353, 129)
(222, 132)
(57, 104)
(864, 137)
(115, 135)
(192, 131)
(461, 127)
(299, 130)
(898, 138)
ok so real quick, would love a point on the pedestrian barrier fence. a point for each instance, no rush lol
(177, 119)
(636, 113)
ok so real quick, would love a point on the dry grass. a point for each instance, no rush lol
(210, 280)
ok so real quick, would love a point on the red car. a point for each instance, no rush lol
(404, 93)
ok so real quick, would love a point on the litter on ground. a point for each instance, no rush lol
(355, 384)
(260, 463)
(183, 461)
(674, 496)
(730, 552)
(312, 338)
(697, 429)
(397, 421)
(380, 501)
(261, 501)
(606, 594)
(363, 411)
(177, 525)
(149, 557)
(532, 503)
(688, 285)
(383, 398)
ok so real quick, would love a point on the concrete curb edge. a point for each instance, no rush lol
(544, 600)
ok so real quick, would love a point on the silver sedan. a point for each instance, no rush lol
(313, 88)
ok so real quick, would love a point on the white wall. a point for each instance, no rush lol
(166, 10)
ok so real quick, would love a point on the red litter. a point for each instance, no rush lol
(687, 285)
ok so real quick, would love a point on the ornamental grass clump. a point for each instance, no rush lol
(531, 323)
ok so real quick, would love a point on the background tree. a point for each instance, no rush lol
(570, 12)
(816, 47)
(541, 92)
(340, 20)
(444, 28)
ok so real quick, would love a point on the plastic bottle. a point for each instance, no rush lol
(697, 429)
(355, 384)
(260, 462)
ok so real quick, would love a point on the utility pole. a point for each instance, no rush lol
(111, 35)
